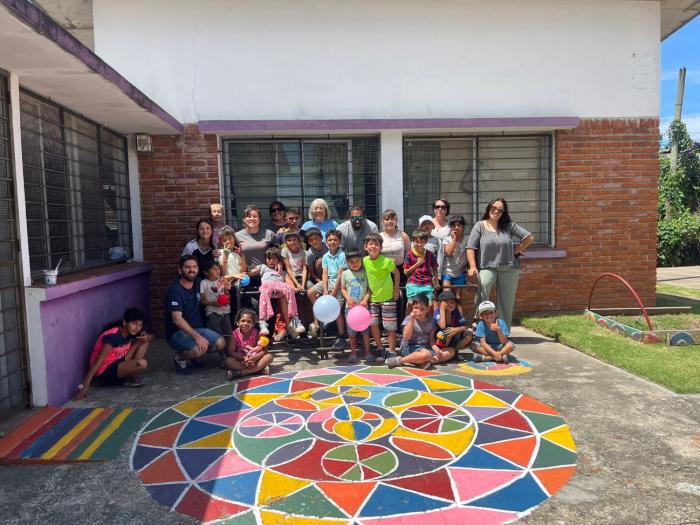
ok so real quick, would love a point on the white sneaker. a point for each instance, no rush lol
(313, 329)
(264, 330)
(291, 331)
(298, 327)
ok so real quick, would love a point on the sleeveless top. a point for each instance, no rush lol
(242, 343)
(393, 247)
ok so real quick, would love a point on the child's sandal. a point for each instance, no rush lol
(233, 374)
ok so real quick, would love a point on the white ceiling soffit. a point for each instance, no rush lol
(53, 64)
(675, 14)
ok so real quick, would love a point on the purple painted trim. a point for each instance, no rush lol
(543, 253)
(221, 126)
(44, 25)
(74, 283)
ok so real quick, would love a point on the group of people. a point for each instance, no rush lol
(355, 262)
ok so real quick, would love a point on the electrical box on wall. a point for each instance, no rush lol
(143, 143)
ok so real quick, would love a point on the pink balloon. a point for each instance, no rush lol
(358, 318)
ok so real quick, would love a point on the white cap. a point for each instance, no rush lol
(486, 306)
(425, 218)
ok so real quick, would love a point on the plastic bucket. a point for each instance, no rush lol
(50, 276)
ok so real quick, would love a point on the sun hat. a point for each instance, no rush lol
(425, 218)
(486, 306)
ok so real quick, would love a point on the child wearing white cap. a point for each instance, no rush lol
(491, 334)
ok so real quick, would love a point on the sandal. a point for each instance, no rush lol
(233, 374)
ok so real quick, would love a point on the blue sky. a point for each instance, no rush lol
(682, 49)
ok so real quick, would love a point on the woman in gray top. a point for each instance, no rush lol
(500, 242)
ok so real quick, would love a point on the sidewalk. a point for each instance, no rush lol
(685, 276)
(638, 446)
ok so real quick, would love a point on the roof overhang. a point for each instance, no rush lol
(52, 63)
(675, 14)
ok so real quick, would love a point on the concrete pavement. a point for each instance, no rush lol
(685, 276)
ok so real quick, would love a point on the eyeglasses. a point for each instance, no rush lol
(359, 218)
(496, 210)
(440, 207)
(276, 210)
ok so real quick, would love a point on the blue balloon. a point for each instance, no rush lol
(326, 308)
(245, 280)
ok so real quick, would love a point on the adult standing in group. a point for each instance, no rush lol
(202, 247)
(355, 230)
(319, 217)
(254, 241)
(500, 243)
(395, 243)
(441, 230)
(278, 218)
(184, 326)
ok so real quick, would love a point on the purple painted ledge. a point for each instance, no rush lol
(222, 126)
(45, 25)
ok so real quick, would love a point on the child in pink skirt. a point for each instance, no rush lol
(274, 285)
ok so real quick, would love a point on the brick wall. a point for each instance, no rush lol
(179, 180)
(606, 194)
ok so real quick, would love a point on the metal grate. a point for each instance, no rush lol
(343, 171)
(14, 381)
(76, 187)
(470, 171)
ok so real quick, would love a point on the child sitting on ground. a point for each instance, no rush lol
(420, 267)
(356, 293)
(455, 246)
(272, 284)
(333, 264)
(383, 281)
(214, 296)
(453, 333)
(119, 355)
(492, 336)
(295, 262)
(418, 334)
(245, 353)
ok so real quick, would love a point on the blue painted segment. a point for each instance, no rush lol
(240, 488)
(362, 429)
(479, 458)
(167, 494)
(196, 429)
(229, 404)
(411, 384)
(54, 435)
(491, 433)
(195, 461)
(681, 339)
(279, 387)
(519, 496)
(390, 500)
(342, 413)
(144, 455)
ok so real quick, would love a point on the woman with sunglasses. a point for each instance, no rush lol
(500, 242)
(441, 231)
(278, 217)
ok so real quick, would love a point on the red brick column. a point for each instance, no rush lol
(179, 180)
(605, 201)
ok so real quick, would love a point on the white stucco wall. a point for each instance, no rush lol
(326, 59)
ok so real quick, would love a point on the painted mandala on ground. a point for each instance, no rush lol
(355, 445)
(491, 368)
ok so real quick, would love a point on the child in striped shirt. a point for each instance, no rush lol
(420, 267)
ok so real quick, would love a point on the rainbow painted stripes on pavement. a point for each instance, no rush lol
(65, 435)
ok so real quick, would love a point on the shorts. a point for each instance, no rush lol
(496, 347)
(387, 312)
(318, 288)
(460, 279)
(110, 375)
(220, 324)
(351, 332)
(181, 342)
(412, 290)
(406, 348)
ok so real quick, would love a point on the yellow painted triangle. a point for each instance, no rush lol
(276, 518)
(353, 380)
(275, 486)
(481, 399)
(219, 440)
(435, 384)
(256, 400)
(194, 405)
(562, 437)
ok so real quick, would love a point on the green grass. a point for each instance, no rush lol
(675, 367)
(689, 321)
(678, 291)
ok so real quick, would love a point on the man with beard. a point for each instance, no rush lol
(184, 327)
(355, 230)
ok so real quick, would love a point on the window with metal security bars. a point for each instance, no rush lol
(14, 380)
(76, 188)
(343, 171)
(471, 171)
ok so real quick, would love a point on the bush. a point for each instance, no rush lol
(679, 240)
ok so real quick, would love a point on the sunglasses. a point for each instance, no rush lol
(439, 207)
(496, 210)
(359, 218)
(276, 210)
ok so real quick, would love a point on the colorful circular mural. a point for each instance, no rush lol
(355, 445)
(491, 368)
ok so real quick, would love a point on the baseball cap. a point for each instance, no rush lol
(486, 306)
(447, 295)
(424, 218)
